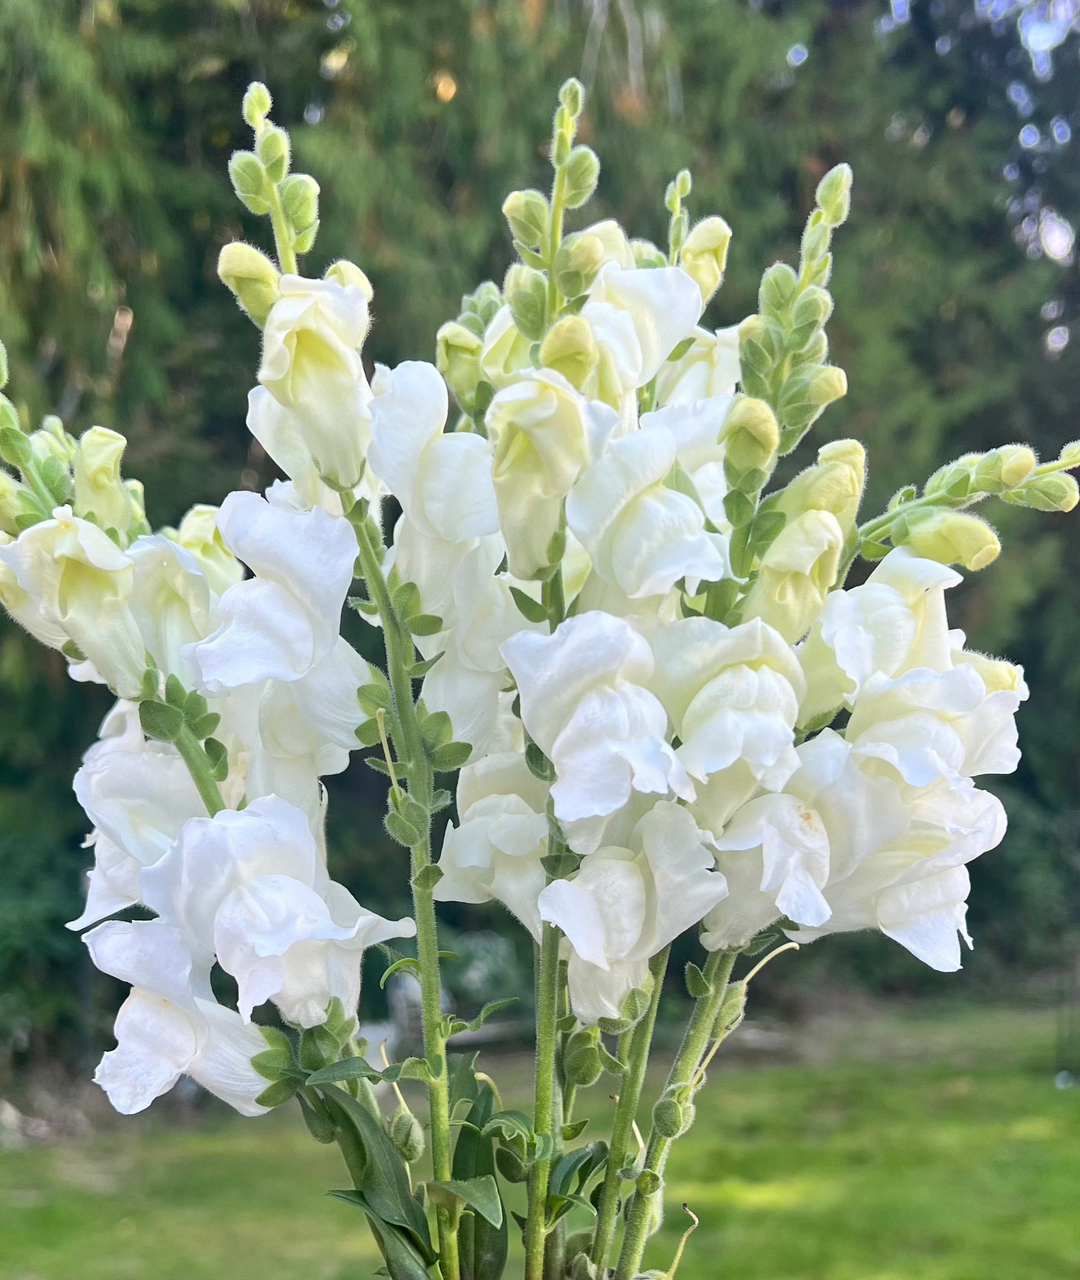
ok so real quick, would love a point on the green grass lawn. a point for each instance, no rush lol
(916, 1147)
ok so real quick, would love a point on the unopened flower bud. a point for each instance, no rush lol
(526, 292)
(570, 348)
(199, 533)
(484, 301)
(273, 150)
(137, 494)
(582, 172)
(1005, 468)
(955, 480)
(300, 197)
(407, 1135)
(797, 571)
(807, 391)
(750, 434)
(704, 255)
(834, 194)
(577, 262)
(998, 675)
(834, 485)
(99, 489)
(251, 277)
(668, 1117)
(257, 103)
(11, 506)
(777, 289)
(646, 254)
(954, 537)
(348, 274)
(528, 216)
(457, 357)
(1055, 492)
(249, 181)
(572, 97)
(582, 1064)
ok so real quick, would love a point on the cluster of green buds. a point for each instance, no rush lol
(458, 345)
(701, 251)
(263, 183)
(936, 523)
(56, 470)
(784, 348)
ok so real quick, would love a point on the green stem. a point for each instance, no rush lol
(282, 234)
(555, 233)
(625, 1111)
(555, 1250)
(694, 1045)
(193, 755)
(420, 782)
(547, 1008)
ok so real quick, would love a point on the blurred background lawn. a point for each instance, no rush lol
(956, 291)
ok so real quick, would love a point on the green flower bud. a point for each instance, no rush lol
(407, 1135)
(581, 1063)
(11, 505)
(807, 392)
(528, 216)
(572, 97)
(526, 292)
(300, 197)
(137, 494)
(815, 238)
(251, 277)
(457, 357)
(684, 183)
(954, 537)
(777, 289)
(834, 485)
(483, 302)
(646, 254)
(99, 490)
(249, 181)
(273, 150)
(579, 258)
(1005, 468)
(1055, 492)
(955, 480)
(570, 348)
(750, 434)
(348, 274)
(668, 1117)
(834, 195)
(704, 255)
(257, 103)
(731, 1011)
(582, 172)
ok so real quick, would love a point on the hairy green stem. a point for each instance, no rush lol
(282, 235)
(198, 764)
(681, 1076)
(625, 1112)
(547, 1009)
(420, 782)
(555, 232)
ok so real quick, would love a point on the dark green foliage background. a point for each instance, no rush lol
(117, 118)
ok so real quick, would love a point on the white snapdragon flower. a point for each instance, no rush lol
(732, 695)
(642, 536)
(251, 887)
(710, 367)
(138, 795)
(494, 852)
(170, 1025)
(638, 317)
(626, 904)
(199, 534)
(171, 600)
(311, 365)
(65, 580)
(282, 622)
(795, 574)
(546, 435)
(506, 351)
(894, 622)
(442, 479)
(584, 701)
(696, 428)
(775, 855)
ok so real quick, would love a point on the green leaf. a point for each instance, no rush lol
(511, 1125)
(405, 1260)
(160, 721)
(367, 733)
(441, 800)
(384, 1178)
(195, 707)
(175, 693)
(492, 1006)
(481, 1194)
(482, 1247)
(428, 877)
(277, 1093)
(436, 729)
(561, 865)
(539, 765)
(218, 756)
(679, 351)
(575, 1130)
(376, 695)
(573, 1171)
(409, 963)
(608, 1061)
(461, 1077)
(529, 608)
(420, 669)
(424, 624)
(318, 1047)
(450, 756)
(400, 830)
(738, 508)
(346, 1069)
(406, 600)
(696, 983)
(319, 1124)
(204, 726)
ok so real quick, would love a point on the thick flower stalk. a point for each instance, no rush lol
(666, 709)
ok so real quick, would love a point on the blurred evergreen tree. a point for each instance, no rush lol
(117, 118)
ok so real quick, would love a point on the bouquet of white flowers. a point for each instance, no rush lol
(667, 709)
